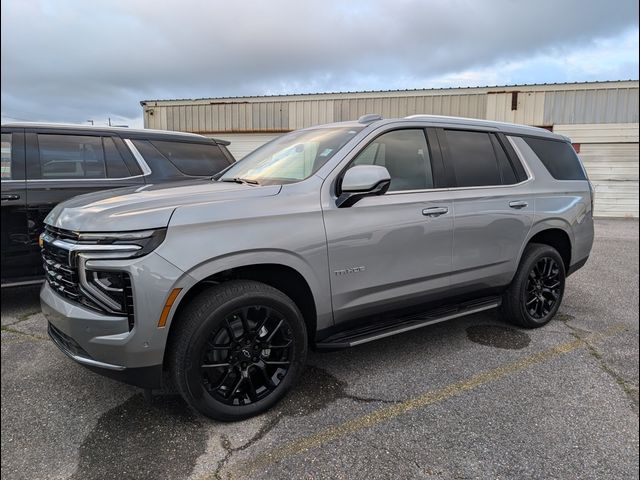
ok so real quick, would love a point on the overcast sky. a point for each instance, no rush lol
(74, 60)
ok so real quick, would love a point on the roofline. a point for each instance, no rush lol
(465, 90)
(103, 128)
(443, 121)
(504, 127)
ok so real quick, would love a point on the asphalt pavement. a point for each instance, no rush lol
(470, 398)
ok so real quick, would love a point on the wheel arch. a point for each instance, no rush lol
(293, 280)
(555, 233)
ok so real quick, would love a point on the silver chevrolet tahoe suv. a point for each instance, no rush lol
(324, 238)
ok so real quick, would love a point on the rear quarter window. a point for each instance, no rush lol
(558, 157)
(197, 159)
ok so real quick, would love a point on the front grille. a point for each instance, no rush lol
(66, 342)
(61, 233)
(61, 274)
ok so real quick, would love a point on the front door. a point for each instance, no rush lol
(386, 252)
(63, 165)
(15, 239)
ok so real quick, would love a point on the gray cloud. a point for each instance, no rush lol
(74, 60)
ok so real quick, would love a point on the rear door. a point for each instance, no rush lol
(493, 208)
(15, 240)
(61, 165)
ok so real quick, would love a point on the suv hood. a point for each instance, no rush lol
(147, 206)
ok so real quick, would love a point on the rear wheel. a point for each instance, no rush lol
(237, 348)
(535, 294)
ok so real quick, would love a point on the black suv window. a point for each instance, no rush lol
(116, 168)
(473, 159)
(405, 154)
(196, 159)
(5, 168)
(558, 157)
(71, 157)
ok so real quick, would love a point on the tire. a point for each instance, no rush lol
(530, 301)
(218, 355)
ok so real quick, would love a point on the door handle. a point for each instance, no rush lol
(434, 211)
(518, 204)
(10, 196)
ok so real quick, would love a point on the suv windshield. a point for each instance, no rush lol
(291, 157)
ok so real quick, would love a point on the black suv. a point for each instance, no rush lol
(44, 164)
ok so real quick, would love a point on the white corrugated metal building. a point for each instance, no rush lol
(600, 117)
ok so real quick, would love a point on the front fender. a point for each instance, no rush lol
(319, 286)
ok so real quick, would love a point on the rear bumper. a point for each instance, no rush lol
(577, 266)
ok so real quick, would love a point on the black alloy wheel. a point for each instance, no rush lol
(247, 357)
(543, 288)
(236, 349)
(535, 293)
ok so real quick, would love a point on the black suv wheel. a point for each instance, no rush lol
(534, 296)
(236, 349)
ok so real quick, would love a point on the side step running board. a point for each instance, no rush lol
(376, 331)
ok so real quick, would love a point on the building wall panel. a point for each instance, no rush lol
(603, 105)
(529, 111)
(600, 133)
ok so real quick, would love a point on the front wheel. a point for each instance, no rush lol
(534, 296)
(236, 349)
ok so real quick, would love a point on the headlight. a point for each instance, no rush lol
(107, 288)
(145, 240)
(111, 290)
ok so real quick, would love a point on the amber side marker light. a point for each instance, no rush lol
(167, 307)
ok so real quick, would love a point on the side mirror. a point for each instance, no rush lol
(362, 181)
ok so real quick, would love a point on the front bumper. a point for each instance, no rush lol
(145, 377)
(105, 343)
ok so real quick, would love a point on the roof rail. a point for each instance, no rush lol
(370, 117)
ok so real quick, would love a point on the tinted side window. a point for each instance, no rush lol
(116, 167)
(405, 154)
(507, 173)
(558, 157)
(472, 158)
(193, 158)
(71, 157)
(5, 168)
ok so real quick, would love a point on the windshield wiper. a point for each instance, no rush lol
(240, 180)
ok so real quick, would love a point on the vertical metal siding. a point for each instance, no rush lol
(609, 152)
(613, 170)
(606, 105)
(529, 111)
(600, 133)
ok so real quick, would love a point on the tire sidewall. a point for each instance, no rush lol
(200, 398)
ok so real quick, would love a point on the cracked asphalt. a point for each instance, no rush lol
(470, 398)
